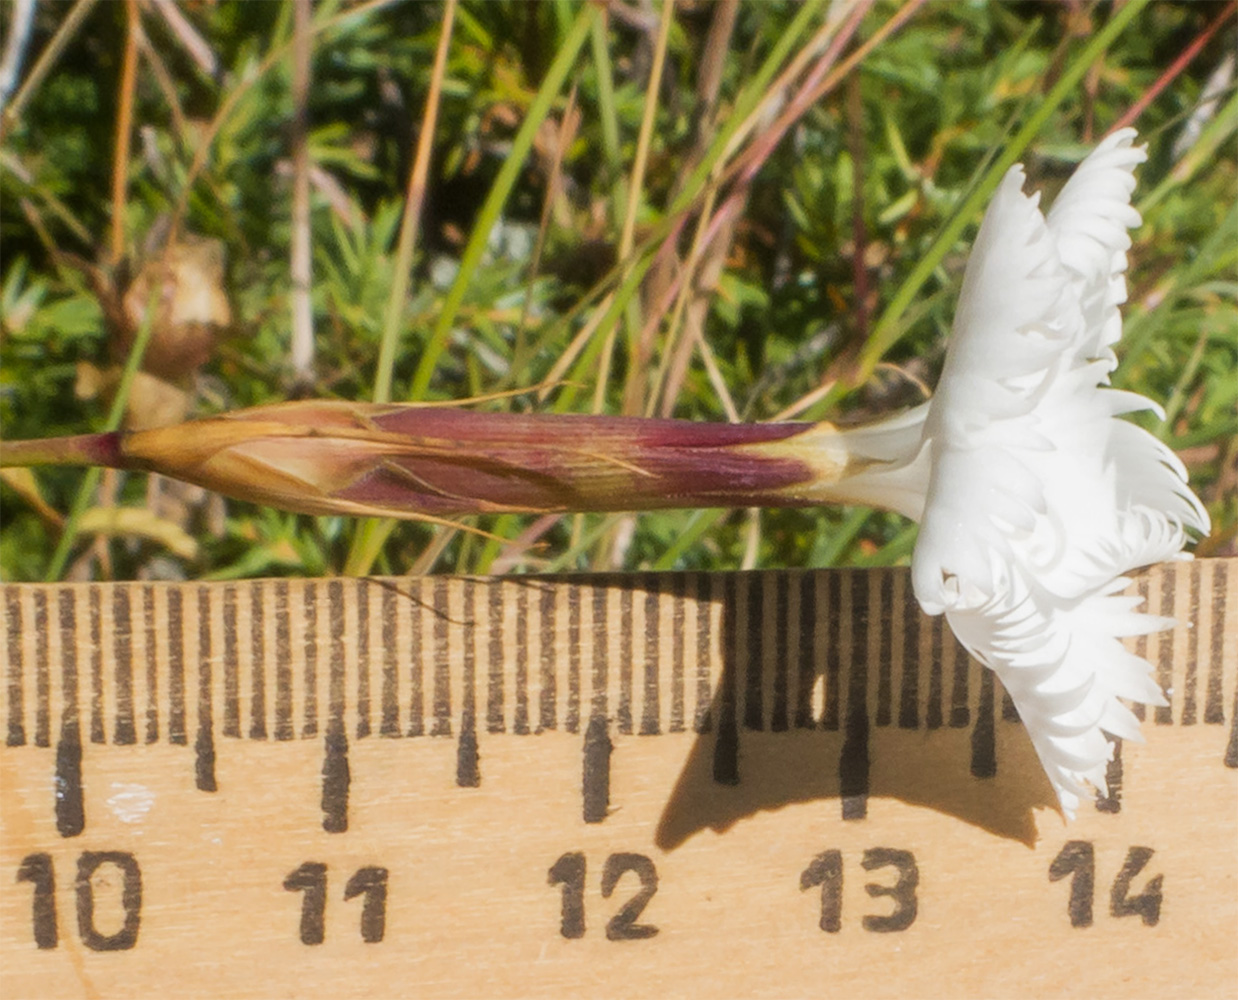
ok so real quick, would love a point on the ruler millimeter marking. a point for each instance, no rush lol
(642, 785)
(606, 656)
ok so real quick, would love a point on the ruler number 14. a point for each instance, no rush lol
(1077, 859)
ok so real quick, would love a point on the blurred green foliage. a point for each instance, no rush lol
(871, 171)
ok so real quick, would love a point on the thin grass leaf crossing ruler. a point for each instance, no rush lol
(633, 785)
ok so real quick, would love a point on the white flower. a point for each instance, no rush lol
(1039, 498)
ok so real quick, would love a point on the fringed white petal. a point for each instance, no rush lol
(1065, 669)
(1091, 216)
(1039, 498)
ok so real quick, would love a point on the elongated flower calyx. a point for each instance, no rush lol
(323, 457)
(1040, 498)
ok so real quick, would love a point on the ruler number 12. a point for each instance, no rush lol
(569, 872)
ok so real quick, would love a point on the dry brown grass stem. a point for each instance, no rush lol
(627, 237)
(192, 42)
(554, 181)
(47, 59)
(667, 283)
(124, 130)
(152, 58)
(749, 162)
(414, 198)
(300, 267)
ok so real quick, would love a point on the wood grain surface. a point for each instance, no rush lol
(771, 784)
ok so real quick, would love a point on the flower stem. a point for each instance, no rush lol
(84, 449)
(90, 482)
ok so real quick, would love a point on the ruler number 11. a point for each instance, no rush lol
(310, 879)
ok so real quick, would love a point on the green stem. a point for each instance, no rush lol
(1140, 328)
(372, 535)
(1205, 152)
(367, 544)
(698, 524)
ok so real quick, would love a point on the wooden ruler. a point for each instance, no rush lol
(742, 784)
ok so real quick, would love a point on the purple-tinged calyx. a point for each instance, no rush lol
(418, 461)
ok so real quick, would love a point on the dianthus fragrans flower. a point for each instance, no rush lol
(1039, 497)
(1033, 497)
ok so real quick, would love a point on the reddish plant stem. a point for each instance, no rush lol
(83, 449)
(1176, 67)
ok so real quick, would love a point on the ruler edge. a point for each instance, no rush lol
(1172, 653)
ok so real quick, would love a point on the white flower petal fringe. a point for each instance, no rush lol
(1039, 498)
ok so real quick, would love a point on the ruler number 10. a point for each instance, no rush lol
(92, 867)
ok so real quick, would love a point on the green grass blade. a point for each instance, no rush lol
(887, 331)
(565, 59)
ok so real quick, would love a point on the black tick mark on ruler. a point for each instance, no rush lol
(753, 663)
